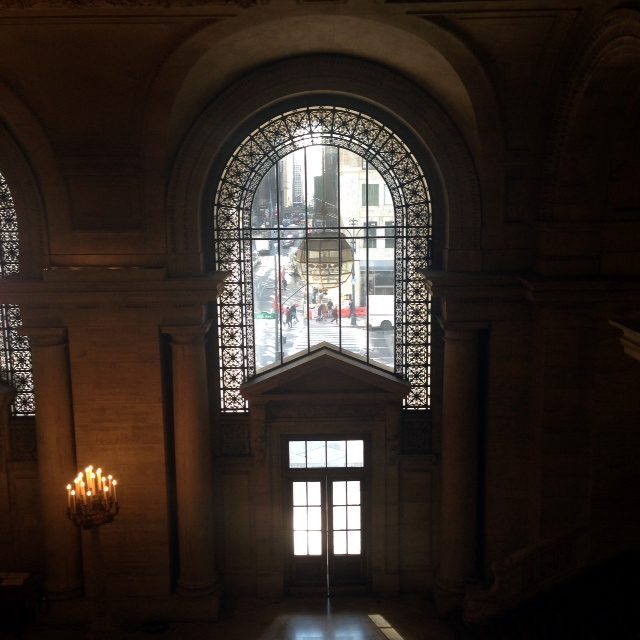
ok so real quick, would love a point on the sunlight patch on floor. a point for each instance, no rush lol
(384, 626)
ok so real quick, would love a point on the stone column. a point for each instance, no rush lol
(192, 440)
(56, 459)
(460, 419)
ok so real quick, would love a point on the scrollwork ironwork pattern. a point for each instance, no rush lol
(261, 149)
(15, 352)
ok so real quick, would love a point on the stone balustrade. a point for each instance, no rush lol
(526, 573)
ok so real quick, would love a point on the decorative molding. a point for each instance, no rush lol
(465, 285)
(579, 291)
(88, 4)
(482, 287)
(122, 287)
(323, 410)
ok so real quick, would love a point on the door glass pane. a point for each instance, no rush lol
(316, 454)
(300, 493)
(300, 518)
(339, 493)
(315, 543)
(355, 453)
(353, 518)
(300, 543)
(314, 517)
(314, 494)
(297, 454)
(339, 542)
(307, 518)
(353, 540)
(336, 453)
(353, 492)
(340, 517)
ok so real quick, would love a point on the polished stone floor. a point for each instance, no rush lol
(294, 618)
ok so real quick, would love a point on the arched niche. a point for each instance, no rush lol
(432, 56)
(29, 206)
(590, 166)
(397, 102)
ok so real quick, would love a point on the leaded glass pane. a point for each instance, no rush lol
(336, 453)
(291, 189)
(355, 453)
(15, 352)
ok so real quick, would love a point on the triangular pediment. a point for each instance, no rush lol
(325, 371)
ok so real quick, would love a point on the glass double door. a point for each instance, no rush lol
(326, 516)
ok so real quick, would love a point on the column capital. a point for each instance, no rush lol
(461, 330)
(45, 336)
(187, 334)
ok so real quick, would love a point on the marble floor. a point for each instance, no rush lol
(294, 618)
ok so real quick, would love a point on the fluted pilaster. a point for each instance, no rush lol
(56, 459)
(197, 572)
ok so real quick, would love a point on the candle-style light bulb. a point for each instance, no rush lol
(97, 498)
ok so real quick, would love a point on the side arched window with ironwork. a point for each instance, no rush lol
(323, 218)
(15, 353)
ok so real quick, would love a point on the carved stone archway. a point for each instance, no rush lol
(440, 148)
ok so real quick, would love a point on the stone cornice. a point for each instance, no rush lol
(80, 287)
(571, 291)
(124, 4)
(529, 287)
(470, 286)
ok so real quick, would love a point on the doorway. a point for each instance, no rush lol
(326, 514)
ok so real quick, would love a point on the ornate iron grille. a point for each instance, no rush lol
(15, 352)
(391, 157)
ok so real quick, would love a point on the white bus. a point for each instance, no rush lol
(381, 311)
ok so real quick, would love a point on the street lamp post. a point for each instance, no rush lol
(353, 272)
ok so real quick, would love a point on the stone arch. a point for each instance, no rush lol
(603, 88)
(292, 129)
(21, 246)
(29, 206)
(452, 174)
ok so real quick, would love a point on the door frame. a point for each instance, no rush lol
(326, 475)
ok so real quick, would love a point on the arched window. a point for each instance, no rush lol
(323, 219)
(15, 353)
